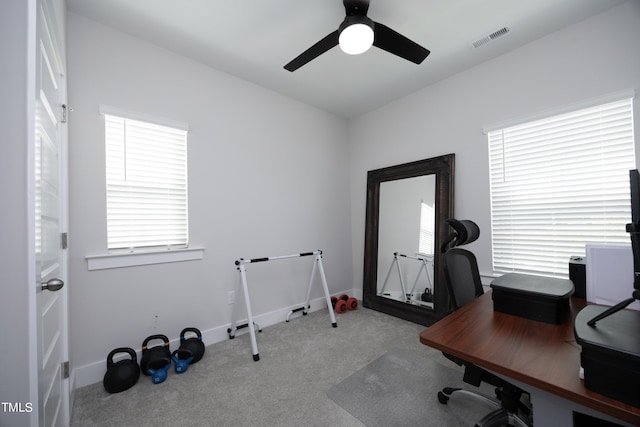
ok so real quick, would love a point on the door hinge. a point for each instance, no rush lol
(63, 119)
(64, 239)
(65, 370)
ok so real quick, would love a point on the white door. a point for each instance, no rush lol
(50, 195)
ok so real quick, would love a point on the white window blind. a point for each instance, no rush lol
(146, 166)
(427, 227)
(558, 183)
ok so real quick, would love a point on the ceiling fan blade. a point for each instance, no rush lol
(393, 42)
(314, 51)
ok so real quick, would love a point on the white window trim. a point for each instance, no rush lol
(139, 257)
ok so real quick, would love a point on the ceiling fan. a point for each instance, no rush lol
(357, 26)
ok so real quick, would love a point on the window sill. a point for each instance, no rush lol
(119, 260)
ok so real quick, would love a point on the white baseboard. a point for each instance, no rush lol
(94, 372)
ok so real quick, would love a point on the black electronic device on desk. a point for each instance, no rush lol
(610, 337)
(610, 353)
(545, 299)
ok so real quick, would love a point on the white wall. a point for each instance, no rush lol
(267, 176)
(593, 58)
(16, 295)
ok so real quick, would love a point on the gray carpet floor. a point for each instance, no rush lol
(300, 361)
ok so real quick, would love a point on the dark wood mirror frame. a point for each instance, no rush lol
(443, 169)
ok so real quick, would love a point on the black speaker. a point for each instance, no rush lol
(578, 275)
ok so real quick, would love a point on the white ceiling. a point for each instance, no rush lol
(253, 40)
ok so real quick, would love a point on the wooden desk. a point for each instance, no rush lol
(541, 355)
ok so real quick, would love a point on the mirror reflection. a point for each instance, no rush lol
(406, 236)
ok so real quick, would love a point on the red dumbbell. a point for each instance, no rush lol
(350, 302)
(339, 305)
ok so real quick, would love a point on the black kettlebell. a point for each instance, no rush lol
(155, 357)
(123, 374)
(193, 344)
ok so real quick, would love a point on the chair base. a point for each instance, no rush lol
(445, 394)
(499, 417)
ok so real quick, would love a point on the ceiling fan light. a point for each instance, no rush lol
(356, 39)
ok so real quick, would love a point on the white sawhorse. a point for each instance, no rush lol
(242, 283)
(424, 267)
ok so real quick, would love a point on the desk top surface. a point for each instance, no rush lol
(542, 355)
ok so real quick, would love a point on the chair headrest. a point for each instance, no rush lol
(464, 232)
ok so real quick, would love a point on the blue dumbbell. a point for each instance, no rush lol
(181, 358)
(159, 375)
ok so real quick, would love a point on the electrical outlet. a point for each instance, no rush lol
(231, 297)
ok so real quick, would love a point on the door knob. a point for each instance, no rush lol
(52, 285)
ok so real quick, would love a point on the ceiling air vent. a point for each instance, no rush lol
(482, 41)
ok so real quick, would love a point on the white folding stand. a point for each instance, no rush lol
(242, 282)
(396, 262)
(424, 267)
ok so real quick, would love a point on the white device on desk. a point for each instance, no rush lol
(609, 272)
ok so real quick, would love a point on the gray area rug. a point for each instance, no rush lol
(400, 389)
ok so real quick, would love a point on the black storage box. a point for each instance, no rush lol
(610, 353)
(545, 299)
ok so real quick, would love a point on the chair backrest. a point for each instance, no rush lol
(460, 266)
(462, 276)
(464, 231)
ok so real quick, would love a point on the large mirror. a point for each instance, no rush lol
(407, 205)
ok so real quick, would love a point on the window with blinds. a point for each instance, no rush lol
(146, 167)
(427, 229)
(559, 183)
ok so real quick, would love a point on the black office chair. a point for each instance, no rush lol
(463, 283)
